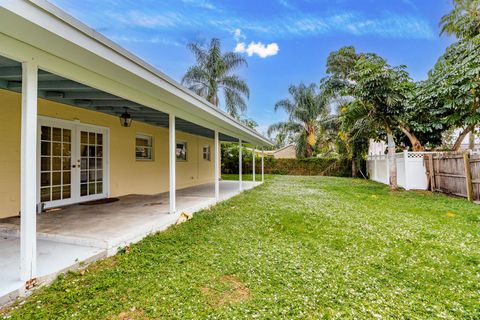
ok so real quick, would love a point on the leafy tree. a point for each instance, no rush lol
(341, 63)
(415, 122)
(305, 108)
(214, 72)
(452, 89)
(421, 125)
(464, 20)
(381, 94)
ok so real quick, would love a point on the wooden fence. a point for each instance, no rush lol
(454, 173)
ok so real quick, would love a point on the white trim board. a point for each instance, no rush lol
(76, 127)
(62, 45)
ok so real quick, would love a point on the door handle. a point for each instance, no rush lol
(74, 166)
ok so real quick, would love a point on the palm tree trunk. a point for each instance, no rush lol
(308, 151)
(392, 161)
(354, 167)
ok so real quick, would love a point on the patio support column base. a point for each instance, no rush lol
(253, 162)
(216, 155)
(28, 174)
(263, 170)
(240, 179)
(172, 161)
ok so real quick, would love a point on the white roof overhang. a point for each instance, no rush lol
(36, 30)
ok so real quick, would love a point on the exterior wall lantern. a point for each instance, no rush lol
(126, 119)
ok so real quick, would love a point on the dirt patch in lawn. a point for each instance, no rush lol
(226, 290)
(132, 314)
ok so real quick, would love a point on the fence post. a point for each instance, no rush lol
(468, 175)
(405, 159)
(374, 168)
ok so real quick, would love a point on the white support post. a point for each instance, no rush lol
(217, 166)
(240, 180)
(263, 167)
(172, 161)
(405, 164)
(253, 162)
(28, 174)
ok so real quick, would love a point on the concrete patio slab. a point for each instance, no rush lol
(115, 224)
(80, 233)
(52, 258)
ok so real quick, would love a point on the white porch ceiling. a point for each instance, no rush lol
(58, 89)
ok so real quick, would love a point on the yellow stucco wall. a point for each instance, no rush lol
(127, 175)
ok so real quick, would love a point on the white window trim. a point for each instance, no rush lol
(209, 152)
(152, 147)
(76, 124)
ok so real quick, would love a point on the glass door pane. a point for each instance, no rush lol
(91, 163)
(55, 163)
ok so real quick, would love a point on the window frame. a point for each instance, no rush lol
(209, 148)
(185, 147)
(149, 138)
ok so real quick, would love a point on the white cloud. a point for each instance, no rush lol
(238, 35)
(200, 4)
(298, 24)
(164, 20)
(258, 48)
(285, 4)
(410, 3)
(146, 39)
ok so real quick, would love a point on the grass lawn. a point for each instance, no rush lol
(293, 248)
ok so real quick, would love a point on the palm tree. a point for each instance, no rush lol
(306, 107)
(213, 73)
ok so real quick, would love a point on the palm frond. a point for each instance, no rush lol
(233, 82)
(212, 72)
(199, 53)
(233, 60)
(234, 102)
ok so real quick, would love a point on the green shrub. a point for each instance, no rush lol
(298, 167)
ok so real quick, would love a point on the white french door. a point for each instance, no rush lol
(72, 162)
(91, 165)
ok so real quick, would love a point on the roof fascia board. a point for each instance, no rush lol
(55, 21)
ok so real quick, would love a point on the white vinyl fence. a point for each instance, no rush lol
(411, 172)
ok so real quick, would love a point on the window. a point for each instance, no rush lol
(143, 147)
(181, 151)
(206, 152)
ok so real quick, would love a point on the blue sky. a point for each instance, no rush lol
(285, 41)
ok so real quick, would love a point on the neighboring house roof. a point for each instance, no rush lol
(65, 46)
(466, 142)
(287, 152)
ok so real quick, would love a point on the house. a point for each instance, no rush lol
(84, 120)
(376, 147)
(465, 145)
(287, 152)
